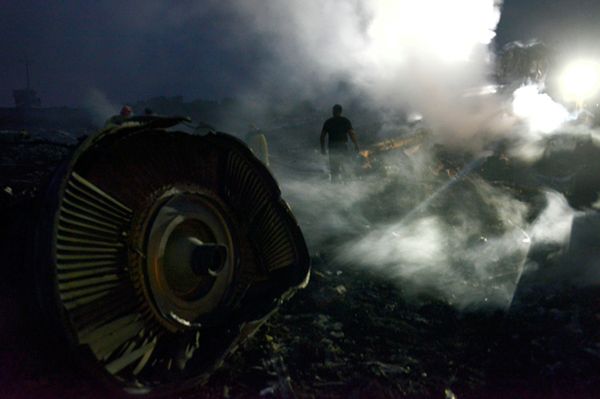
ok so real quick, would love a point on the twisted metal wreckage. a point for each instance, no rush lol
(154, 253)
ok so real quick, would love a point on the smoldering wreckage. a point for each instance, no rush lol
(138, 260)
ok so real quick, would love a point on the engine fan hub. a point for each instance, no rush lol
(189, 258)
(163, 250)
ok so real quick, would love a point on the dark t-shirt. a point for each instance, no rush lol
(337, 128)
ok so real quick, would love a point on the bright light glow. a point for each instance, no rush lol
(581, 80)
(539, 110)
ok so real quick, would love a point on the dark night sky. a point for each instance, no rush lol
(132, 50)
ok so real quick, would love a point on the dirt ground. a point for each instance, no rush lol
(350, 334)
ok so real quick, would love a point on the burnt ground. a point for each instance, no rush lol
(350, 334)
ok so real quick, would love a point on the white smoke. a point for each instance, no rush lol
(539, 110)
(553, 225)
(99, 106)
(459, 257)
(469, 247)
(542, 117)
(428, 58)
(413, 55)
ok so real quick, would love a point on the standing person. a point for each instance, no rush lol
(339, 129)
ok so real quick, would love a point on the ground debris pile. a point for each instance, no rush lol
(354, 332)
(368, 342)
(26, 159)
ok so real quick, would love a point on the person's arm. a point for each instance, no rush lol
(323, 134)
(352, 135)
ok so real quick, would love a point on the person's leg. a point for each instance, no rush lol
(335, 168)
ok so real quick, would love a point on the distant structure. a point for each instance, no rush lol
(28, 114)
(26, 98)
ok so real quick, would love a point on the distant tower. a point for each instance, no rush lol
(26, 98)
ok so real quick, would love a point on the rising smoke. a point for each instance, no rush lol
(402, 54)
(465, 241)
(99, 106)
(468, 246)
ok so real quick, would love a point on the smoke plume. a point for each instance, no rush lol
(99, 106)
(400, 54)
(467, 246)
(463, 240)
